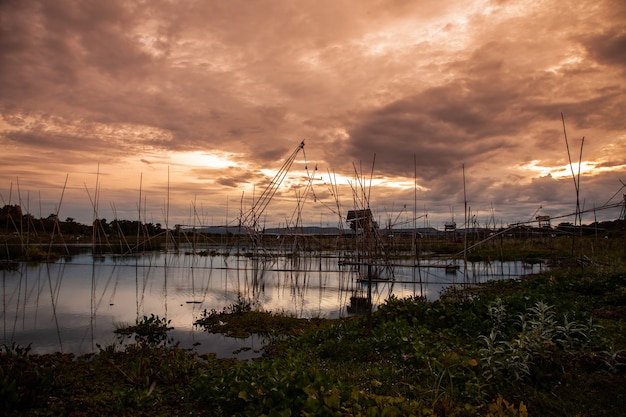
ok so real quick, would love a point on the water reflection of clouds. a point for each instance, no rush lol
(83, 301)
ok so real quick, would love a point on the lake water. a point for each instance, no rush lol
(75, 304)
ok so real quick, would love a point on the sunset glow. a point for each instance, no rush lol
(216, 160)
(423, 104)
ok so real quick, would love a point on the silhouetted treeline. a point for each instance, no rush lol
(14, 221)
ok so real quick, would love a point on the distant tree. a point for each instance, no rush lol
(104, 226)
(125, 227)
(10, 217)
(70, 227)
(46, 224)
(153, 229)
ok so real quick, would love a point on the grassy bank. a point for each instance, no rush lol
(547, 345)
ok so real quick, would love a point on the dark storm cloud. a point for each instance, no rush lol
(82, 60)
(230, 177)
(487, 113)
(40, 140)
(229, 182)
(608, 48)
(442, 126)
(51, 46)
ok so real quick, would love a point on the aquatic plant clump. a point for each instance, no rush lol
(148, 331)
(240, 320)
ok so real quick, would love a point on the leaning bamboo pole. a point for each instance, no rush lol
(576, 178)
(465, 226)
(57, 226)
(139, 212)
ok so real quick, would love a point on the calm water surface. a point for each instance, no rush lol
(75, 304)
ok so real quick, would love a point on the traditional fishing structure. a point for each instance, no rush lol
(249, 221)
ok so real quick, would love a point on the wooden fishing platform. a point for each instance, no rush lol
(418, 265)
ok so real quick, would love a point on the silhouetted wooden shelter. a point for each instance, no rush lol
(543, 221)
(449, 227)
(360, 219)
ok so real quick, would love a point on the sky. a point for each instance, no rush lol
(182, 112)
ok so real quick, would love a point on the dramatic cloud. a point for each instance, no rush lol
(195, 106)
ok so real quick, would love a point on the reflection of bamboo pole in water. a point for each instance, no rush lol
(243, 286)
(140, 298)
(305, 284)
(256, 275)
(4, 306)
(258, 278)
(17, 306)
(208, 280)
(95, 301)
(54, 301)
(137, 287)
(112, 297)
(165, 270)
(301, 283)
(40, 290)
(197, 304)
(193, 281)
(106, 287)
(237, 274)
(92, 315)
(297, 288)
(417, 269)
(331, 273)
(306, 279)
(18, 298)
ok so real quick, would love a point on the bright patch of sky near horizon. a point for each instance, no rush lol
(198, 104)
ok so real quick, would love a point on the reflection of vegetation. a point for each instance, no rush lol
(549, 345)
(149, 331)
(36, 255)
